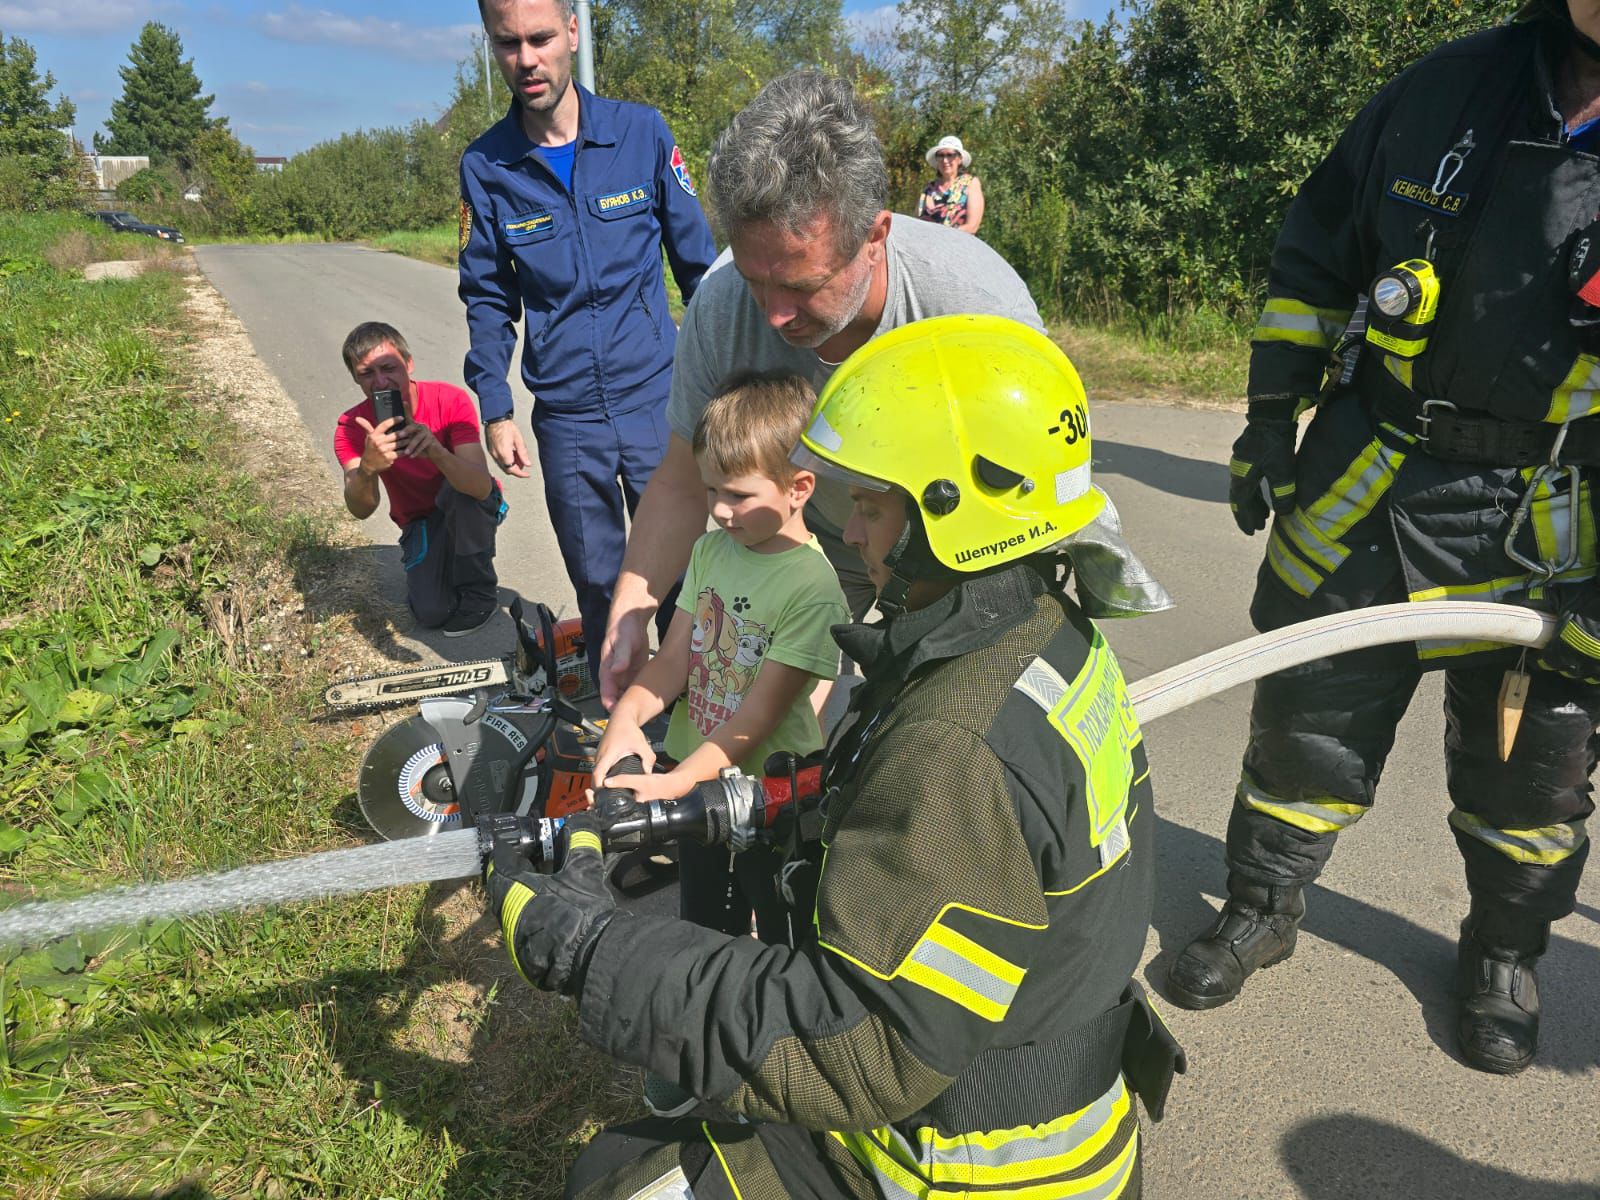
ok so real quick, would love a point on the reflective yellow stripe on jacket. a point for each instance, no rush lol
(1306, 544)
(1085, 1155)
(1286, 320)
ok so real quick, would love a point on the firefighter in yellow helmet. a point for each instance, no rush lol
(959, 1015)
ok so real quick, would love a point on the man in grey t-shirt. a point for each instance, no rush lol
(819, 267)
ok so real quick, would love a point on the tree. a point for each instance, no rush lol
(700, 61)
(38, 160)
(161, 110)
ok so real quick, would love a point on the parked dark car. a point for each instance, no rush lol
(126, 222)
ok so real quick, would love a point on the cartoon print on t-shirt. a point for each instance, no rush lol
(725, 652)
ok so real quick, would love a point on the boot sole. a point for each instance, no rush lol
(1195, 1002)
(1496, 1066)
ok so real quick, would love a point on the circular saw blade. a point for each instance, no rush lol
(405, 788)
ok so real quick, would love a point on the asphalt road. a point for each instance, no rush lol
(1334, 1076)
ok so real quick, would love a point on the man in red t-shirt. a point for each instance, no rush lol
(437, 478)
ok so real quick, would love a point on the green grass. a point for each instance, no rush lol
(435, 245)
(147, 731)
(1199, 358)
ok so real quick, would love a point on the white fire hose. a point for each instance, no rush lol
(1436, 620)
(455, 855)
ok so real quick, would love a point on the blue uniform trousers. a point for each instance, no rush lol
(595, 469)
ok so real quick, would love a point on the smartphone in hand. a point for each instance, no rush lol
(389, 403)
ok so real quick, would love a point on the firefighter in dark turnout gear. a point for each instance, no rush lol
(958, 1017)
(1456, 461)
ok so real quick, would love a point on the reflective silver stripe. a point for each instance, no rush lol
(1288, 568)
(1578, 395)
(1314, 546)
(1546, 846)
(1336, 814)
(824, 434)
(1042, 683)
(1290, 320)
(1019, 1151)
(1072, 484)
(674, 1185)
(944, 961)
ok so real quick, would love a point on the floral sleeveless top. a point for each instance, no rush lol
(947, 205)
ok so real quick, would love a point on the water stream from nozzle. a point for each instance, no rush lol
(452, 855)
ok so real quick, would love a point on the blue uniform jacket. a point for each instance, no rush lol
(585, 265)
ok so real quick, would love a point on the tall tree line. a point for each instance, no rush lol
(1139, 163)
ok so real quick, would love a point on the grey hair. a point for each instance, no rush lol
(804, 147)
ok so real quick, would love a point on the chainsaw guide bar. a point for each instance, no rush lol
(403, 687)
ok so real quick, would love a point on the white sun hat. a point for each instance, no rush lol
(949, 142)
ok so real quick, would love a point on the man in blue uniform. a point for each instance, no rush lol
(566, 205)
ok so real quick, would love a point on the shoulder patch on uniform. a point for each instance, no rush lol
(1414, 191)
(464, 227)
(681, 170)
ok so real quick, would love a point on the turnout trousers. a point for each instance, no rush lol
(686, 1157)
(1319, 735)
(1379, 521)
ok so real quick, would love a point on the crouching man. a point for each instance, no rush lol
(959, 1018)
(420, 440)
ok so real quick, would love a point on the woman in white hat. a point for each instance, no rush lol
(955, 197)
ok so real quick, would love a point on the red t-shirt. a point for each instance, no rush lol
(412, 484)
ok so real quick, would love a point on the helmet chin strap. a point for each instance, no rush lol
(910, 560)
(892, 600)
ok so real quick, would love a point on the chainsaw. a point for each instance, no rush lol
(523, 750)
(518, 743)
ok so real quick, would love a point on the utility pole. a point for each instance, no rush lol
(488, 83)
(585, 43)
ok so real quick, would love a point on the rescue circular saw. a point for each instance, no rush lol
(405, 789)
(517, 744)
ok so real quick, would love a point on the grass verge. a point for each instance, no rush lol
(434, 245)
(159, 662)
(1197, 359)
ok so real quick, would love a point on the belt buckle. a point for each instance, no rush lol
(1425, 418)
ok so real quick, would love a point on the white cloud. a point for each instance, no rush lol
(868, 23)
(398, 39)
(82, 17)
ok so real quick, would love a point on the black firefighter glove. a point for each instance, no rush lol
(552, 922)
(1263, 463)
(1574, 648)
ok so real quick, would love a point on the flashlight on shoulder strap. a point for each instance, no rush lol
(1401, 307)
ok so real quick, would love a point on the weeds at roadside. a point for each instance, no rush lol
(157, 669)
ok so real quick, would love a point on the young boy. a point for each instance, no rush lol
(747, 646)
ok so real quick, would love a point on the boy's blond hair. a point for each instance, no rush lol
(753, 424)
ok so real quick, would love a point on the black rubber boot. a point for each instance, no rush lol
(1497, 1028)
(1256, 928)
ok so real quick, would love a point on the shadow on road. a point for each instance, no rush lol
(1192, 869)
(1188, 478)
(367, 584)
(1348, 1157)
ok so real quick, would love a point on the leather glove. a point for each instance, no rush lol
(1263, 463)
(1574, 648)
(552, 922)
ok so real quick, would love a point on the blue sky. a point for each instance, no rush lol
(289, 73)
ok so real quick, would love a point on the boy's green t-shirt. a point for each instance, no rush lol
(749, 608)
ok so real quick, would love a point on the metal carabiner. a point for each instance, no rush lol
(1544, 477)
(1454, 159)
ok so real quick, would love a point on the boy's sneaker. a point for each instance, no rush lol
(466, 620)
(665, 1098)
